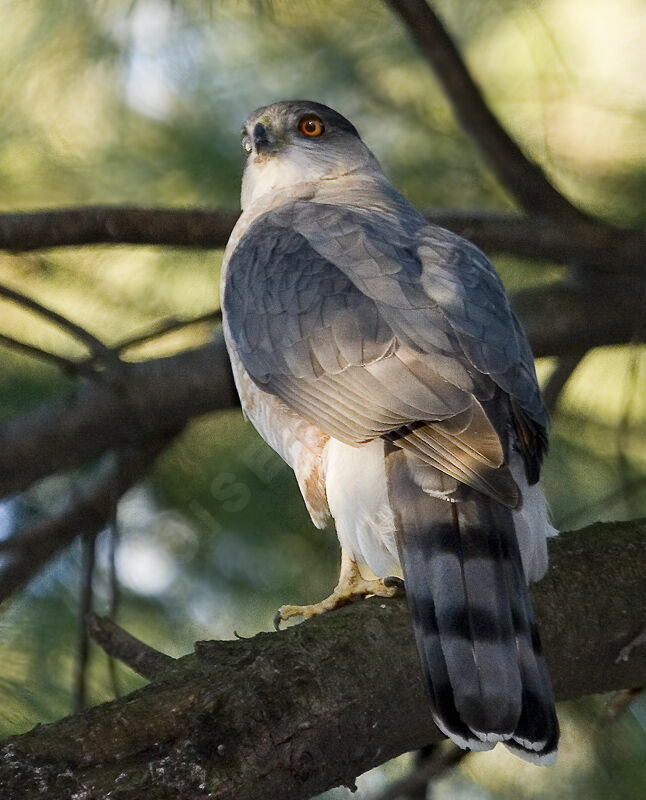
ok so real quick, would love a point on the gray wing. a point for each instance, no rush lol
(412, 266)
(331, 312)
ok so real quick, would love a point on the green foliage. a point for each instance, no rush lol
(141, 102)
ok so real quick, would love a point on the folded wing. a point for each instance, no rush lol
(355, 322)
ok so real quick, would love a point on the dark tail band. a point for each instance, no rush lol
(472, 617)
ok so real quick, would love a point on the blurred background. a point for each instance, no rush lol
(141, 102)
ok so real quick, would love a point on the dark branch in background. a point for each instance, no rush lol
(522, 177)
(84, 367)
(165, 327)
(86, 599)
(562, 320)
(114, 591)
(119, 644)
(68, 366)
(591, 242)
(565, 367)
(154, 399)
(599, 246)
(291, 714)
(86, 510)
(96, 346)
(105, 225)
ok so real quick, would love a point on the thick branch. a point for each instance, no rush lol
(38, 230)
(591, 242)
(522, 177)
(565, 368)
(292, 714)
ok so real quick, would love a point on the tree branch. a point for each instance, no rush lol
(595, 243)
(166, 326)
(599, 246)
(85, 604)
(151, 400)
(96, 346)
(522, 177)
(119, 644)
(564, 319)
(67, 366)
(563, 371)
(66, 227)
(292, 714)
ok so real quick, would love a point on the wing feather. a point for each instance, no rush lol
(373, 325)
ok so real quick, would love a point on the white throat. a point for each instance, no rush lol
(269, 175)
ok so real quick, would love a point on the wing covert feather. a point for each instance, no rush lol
(365, 323)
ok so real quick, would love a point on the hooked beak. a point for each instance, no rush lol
(261, 141)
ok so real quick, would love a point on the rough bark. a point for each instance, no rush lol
(291, 714)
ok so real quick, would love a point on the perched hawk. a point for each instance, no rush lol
(378, 355)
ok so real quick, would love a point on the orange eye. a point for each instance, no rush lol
(311, 126)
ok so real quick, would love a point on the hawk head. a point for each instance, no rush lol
(298, 142)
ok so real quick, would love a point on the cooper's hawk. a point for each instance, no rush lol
(378, 355)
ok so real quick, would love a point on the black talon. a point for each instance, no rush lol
(277, 620)
(393, 580)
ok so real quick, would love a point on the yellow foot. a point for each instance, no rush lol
(351, 587)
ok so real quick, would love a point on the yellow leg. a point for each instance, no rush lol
(351, 587)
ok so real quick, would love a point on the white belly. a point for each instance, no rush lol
(358, 500)
(357, 495)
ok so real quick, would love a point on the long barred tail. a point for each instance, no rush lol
(473, 620)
